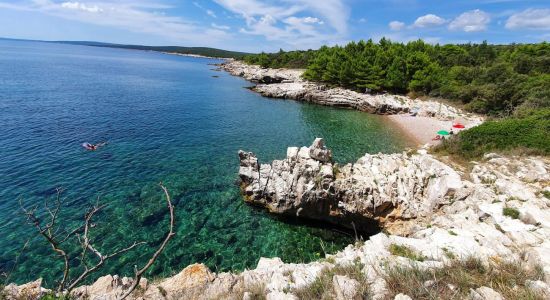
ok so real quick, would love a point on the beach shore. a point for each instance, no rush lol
(431, 115)
(421, 130)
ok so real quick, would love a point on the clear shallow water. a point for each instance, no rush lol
(166, 119)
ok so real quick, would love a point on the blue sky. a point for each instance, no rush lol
(256, 25)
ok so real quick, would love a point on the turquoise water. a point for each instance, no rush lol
(165, 119)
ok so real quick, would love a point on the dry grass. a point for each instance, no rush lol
(404, 251)
(256, 292)
(323, 287)
(455, 280)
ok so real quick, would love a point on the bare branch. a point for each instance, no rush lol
(140, 272)
(47, 228)
(102, 260)
(47, 234)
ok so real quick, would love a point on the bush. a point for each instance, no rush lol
(510, 212)
(491, 79)
(527, 134)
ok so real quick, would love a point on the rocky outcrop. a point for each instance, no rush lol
(382, 188)
(470, 219)
(288, 84)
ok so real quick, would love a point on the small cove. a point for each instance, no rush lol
(166, 119)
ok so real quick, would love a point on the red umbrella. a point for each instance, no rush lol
(459, 126)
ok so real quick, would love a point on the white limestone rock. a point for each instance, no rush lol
(345, 288)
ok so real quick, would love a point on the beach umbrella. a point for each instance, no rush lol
(459, 126)
(443, 132)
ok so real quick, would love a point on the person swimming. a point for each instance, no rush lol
(92, 147)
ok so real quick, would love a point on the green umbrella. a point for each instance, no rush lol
(443, 132)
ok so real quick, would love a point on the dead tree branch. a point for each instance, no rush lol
(48, 229)
(139, 273)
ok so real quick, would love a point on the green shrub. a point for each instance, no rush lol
(510, 212)
(528, 134)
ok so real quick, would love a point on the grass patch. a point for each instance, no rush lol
(255, 291)
(510, 212)
(546, 194)
(323, 286)
(527, 134)
(452, 233)
(404, 251)
(448, 253)
(506, 278)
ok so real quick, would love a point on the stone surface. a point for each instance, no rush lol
(31, 290)
(485, 293)
(382, 188)
(345, 288)
(402, 297)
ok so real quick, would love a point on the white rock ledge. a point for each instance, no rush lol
(288, 84)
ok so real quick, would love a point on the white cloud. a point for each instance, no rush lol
(279, 20)
(335, 11)
(530, 19)
(429, 20)
(81, 6)
(312, 20)
(363, 20)
(220, 27)
(211, 13)
(471, 21)
(396, 25)
(140, 16)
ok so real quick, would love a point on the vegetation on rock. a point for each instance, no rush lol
(523, 133)
(510, 212)
(323, 286)
(458, 277)
(489, 79)
(404, 251)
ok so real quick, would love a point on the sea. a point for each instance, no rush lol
(165, 119)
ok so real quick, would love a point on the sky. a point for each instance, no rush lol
(268, 25)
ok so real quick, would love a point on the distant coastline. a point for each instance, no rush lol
(195, 55)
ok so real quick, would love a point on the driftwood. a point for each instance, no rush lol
(48, 228)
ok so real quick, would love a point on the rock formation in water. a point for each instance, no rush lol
(498, 210)
(384, 188)
(288, 84)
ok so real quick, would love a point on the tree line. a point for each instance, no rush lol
(490, 79)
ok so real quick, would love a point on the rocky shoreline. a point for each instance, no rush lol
(434, 211)
(432, 215)
(288, 84)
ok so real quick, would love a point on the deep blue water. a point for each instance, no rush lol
(165, 119)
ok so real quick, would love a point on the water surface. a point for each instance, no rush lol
(165, 119)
